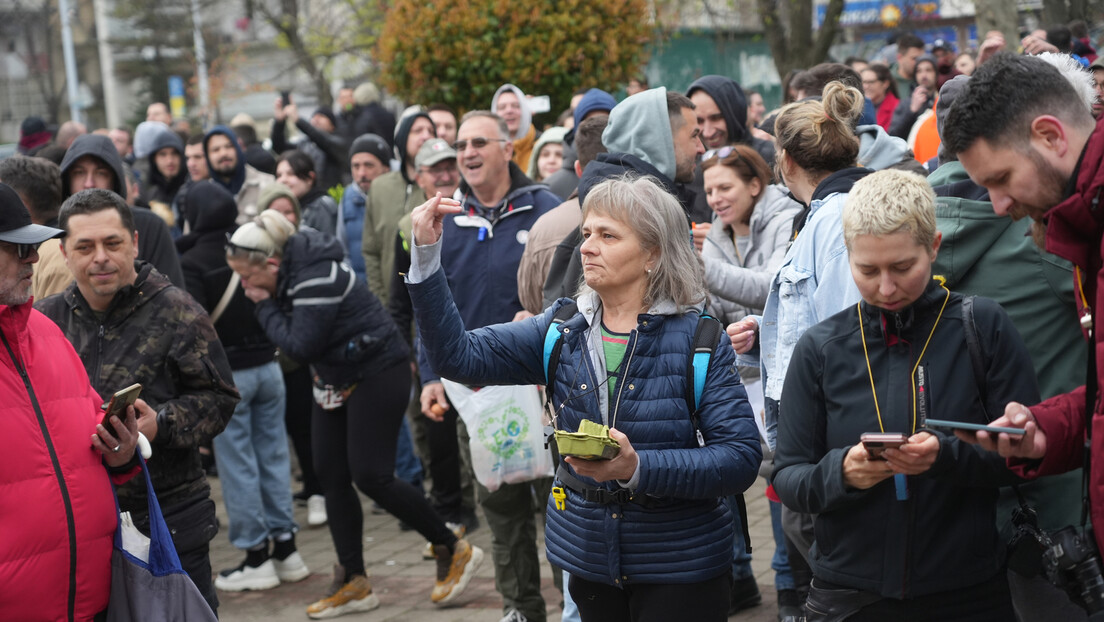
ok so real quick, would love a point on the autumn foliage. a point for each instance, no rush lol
(459, 51)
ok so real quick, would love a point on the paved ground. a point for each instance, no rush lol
(403, 580)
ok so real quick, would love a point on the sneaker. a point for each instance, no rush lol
(454, 570)
(316, 511)
(514, 615)
(456, 528)
(246, 577)
(292, 568)
(354, 596)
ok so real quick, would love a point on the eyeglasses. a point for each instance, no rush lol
(236, 249)
(478, 143)
(721, 153)
(23, 251)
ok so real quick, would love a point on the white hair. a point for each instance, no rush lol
(1075, 73)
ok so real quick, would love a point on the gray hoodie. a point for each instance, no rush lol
(639, 126)
(526, 116)
(740, 288)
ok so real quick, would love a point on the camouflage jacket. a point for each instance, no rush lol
(156, 334)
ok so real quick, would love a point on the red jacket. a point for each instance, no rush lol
(885, 110)
(57, 508)
(1074, 231)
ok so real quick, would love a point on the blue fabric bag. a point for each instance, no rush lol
(151, 586)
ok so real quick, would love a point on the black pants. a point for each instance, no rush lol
(702, 602)
(444, 467)
(297, 419)
(989, 601)
(192, 524)
(356, 444)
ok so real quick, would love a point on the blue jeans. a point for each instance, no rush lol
(780, 563)
(253, 460)
(741, 559)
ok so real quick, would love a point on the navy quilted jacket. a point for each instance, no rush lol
(686, 535)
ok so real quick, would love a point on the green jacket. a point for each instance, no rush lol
(994, 256)
(389, 199)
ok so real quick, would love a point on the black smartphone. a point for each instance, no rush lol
(118, 405)
(877, 442)
(285, 96)
(972, 427)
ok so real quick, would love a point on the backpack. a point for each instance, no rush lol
(706, 335)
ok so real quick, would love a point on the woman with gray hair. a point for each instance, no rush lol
(642, 530)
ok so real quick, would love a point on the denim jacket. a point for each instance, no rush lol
(813, 284)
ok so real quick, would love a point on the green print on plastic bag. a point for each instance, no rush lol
(502, 434)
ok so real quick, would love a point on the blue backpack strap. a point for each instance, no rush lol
(706, 336)
(553, 339)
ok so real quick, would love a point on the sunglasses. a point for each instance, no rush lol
(722, 153)
(236, 249)
(24, 251)
(478, 143)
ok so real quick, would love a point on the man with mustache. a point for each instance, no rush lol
(227, 166)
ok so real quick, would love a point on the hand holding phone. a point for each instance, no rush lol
(118, 404)
(972, 427)
(876, 443)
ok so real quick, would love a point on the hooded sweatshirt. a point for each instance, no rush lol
(732, 102)
(158, 187)
(155, 243)
(211, 213)
(245, 183)
(554, 136)
(639, 126)
(402, 133)
(526, 134)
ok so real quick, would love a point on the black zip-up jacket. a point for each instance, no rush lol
(944, 535)
(323, 315)
(156, 334)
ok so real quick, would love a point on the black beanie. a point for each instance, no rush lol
(326, 112)
(370, 143)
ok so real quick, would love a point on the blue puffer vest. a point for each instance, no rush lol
(684, 535)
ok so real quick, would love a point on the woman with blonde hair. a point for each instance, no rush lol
(317, 312)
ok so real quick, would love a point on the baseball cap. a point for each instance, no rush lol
(15, 221)
(942, 44)
(1098, 63)
(433, 151)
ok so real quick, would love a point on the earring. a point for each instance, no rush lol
(648, 270)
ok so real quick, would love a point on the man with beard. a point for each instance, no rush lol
(921, 100)
(228, 168)
(1022, 131)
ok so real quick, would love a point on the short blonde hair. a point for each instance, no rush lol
(888, 202)
(263, 237)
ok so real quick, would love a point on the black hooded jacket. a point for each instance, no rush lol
(158, 187)
(155, 244)
(402, 134)
(840, 181)
(210, 211)
(235, 182)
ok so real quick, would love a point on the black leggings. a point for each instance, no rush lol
(647, 602)
(297, 418)
(356, 444)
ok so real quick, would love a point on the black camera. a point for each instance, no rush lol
(1067, 557)
(1072, 563)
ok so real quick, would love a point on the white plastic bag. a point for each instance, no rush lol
(507, 434)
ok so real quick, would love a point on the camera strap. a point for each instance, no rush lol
(1090, 403)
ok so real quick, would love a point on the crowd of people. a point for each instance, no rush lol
(828, 294)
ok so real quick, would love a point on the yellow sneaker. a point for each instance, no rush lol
(458, 529)
(454, 570)
(354, 596)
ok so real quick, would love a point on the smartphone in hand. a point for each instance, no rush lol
(877, 442)
(118, 404)
(972, 427)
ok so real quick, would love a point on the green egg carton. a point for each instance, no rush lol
(591, 442)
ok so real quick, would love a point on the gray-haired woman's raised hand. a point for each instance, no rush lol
(428, 218)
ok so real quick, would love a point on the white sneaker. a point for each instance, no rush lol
(514, 616)
(292, 568)
(316, 511)
(246, 577)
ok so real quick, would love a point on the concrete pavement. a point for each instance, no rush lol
(403, 580)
